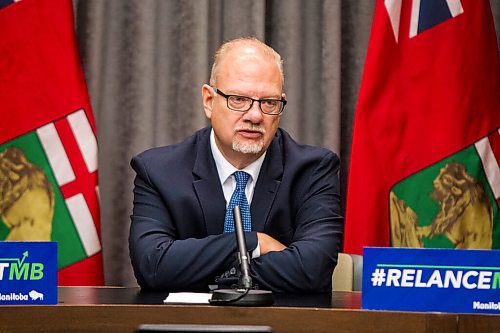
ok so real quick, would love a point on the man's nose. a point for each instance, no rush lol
(255, 114)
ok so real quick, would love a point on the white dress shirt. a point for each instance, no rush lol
(227, 180)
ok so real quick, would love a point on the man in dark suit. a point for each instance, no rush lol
(180, 238)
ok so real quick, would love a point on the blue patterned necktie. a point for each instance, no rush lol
(238, 199)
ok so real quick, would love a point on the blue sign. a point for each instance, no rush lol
(28, 273)
(442, 280)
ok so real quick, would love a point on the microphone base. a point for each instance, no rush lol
(254, 297)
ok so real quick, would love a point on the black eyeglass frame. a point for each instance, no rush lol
(282, 100)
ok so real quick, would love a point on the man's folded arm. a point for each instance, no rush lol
(306, 265)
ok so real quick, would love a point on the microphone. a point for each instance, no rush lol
(244, 295)
(245, 279)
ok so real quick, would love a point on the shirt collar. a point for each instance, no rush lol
(226, 169)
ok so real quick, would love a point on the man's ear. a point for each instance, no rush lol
(207, 94)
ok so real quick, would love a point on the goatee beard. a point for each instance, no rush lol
(248, 148)
(252, 147)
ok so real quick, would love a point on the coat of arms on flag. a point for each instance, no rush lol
(45, 190)
(452, 203)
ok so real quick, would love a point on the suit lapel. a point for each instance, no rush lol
(267, 185)
(207, 186)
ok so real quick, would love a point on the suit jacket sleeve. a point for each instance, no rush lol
(161, 258)
(306, 265)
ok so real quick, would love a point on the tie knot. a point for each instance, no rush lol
(241, 179)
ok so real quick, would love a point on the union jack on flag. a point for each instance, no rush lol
(424, 14)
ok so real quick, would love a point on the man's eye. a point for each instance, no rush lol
(239, 99)
(270, 102)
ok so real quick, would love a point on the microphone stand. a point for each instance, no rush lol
(244, 295)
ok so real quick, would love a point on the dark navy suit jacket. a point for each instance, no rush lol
(176, 236)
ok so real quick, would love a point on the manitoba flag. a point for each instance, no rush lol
(424, 168)
(48, 146)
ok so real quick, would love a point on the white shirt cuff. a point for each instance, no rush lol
(256, 252)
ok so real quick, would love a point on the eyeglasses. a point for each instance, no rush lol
(243, 103)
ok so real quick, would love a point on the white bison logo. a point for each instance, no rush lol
(35, 295)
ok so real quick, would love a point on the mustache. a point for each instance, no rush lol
(251, 128)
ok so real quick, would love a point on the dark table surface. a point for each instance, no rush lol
(118, 295)
(116, 309)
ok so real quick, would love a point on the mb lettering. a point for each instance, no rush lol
(468, 279)
(19, 270)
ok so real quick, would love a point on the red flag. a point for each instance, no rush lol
(48, 146)
(424, 163)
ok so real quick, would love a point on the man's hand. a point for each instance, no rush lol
(268, 244)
